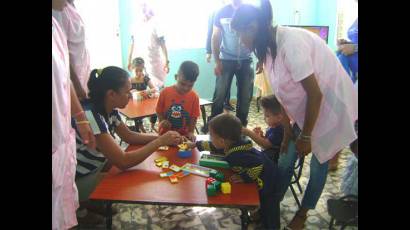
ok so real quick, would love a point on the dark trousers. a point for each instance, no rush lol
(270, 210)
(244, 77)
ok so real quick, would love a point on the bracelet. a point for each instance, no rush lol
(79, 113)
(304, 137)
(82, 122)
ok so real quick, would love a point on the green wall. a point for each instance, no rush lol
(312, 12)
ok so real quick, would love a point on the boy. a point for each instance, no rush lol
(178, 105)
(249, 164)
(271, 142)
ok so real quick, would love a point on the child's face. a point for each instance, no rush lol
(216, 140)
(139, 70)
(183, 86)
(272, 120)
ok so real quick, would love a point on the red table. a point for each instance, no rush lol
(144, 186)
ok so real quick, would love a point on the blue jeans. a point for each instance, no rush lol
(317, 180)
(244, 77)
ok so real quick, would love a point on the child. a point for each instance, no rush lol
(140, 83)
(178, 105)
(248, 163)
(272, 140)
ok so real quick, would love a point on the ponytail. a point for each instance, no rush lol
(102, 80)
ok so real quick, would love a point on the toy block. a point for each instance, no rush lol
(226, 188)
(165, 164)
(165, 174)
(217, 175)
(160, 159)
(217, 185)
(175, 168)
(163, 148)
(210, 190)
(159, 164)
(184, 153)
(173, 179)
(212, 160)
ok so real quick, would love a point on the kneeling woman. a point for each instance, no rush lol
(109, 89)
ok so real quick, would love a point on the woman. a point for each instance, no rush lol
(148, 41)
(65, 105)
(109, 89)
(313, 88)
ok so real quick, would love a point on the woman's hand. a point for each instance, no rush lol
(303, 147)
(170, 138)
(87, 135)
(166, 67)
(235, 178)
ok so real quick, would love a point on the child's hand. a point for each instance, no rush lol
(258, 131)
(191, 137)
(165, 124)
(144, 94)
(235, 178)
(191, 145)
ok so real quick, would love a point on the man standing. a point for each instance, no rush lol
(231, 58)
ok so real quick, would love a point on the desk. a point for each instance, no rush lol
(144, 186)
(146, 108)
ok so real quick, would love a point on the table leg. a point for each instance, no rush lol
(108, 215)
(203, 114)
(244, 218)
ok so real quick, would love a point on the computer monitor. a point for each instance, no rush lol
(322, 31)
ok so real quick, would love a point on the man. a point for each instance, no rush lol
(231, 59)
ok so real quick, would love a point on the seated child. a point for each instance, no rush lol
(140, 83)
(178, 105)
(272, 140)
(249, 164)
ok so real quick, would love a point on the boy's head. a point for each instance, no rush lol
(138, 66)
(272, 110)
(224, 130)
(186, 77)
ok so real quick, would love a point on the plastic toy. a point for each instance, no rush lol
(226, 188)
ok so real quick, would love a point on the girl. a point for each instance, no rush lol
(109, 89)
(140, 83)
(313, 88)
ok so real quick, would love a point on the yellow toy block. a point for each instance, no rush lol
(161, 159)
(183, 146)
(165, 164)
(159, 164)
(226, 188)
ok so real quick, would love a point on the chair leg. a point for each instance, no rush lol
(295, 196)
(297, 183)
(257, 103)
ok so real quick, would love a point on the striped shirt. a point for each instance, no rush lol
(89, 160)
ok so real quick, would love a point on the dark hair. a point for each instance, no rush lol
(102, 80)
(138, 61)
(227, 126)
(271, 104)
(264, 39)
(189, 70)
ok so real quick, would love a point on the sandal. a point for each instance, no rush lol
(297, 215)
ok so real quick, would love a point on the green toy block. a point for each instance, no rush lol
(217, 185)
(211, 160)
(218, 176)
(211, 190)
